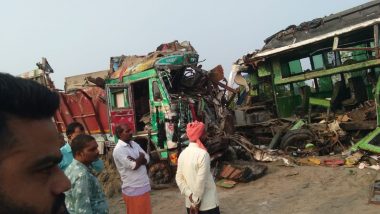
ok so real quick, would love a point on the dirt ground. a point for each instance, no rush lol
(296, 190)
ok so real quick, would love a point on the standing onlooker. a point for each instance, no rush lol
(130, 160)
(86, 194)
(74, 129)
(30, 180)
(194, 177)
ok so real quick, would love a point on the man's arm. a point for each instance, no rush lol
(180, 180)
(81, 193)
(139, 161)
(201, 179)
(143, 158)
(121, 160)
(146, 156)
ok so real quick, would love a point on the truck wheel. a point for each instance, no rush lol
(294, 142)
(160, 173)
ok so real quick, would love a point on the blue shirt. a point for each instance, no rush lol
(67, 158)
(86, 194)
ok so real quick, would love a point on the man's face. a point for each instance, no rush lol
(30, 180)
(77, 131)
(90, 153)
(126, 134)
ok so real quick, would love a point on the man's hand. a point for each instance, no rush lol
(131, 158)
(194, 208)
(139, 161)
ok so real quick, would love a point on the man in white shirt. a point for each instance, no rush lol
(194, 177)
(130, 160)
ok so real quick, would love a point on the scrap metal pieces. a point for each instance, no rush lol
(256, 153)
(353, 159)
(241, 171)
(366, 111)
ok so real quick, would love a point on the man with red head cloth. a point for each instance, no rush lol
(194, 177)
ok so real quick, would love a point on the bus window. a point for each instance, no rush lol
(306, 64)
(318, 62)
(331, 60)
(301, 84)
(299, 66)
(295, 67)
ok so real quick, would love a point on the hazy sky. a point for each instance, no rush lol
(79, 36)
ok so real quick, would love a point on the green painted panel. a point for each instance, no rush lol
(323, 94)
(252, 78)
(325, 84)
(285, 106)
(364, 142)
(369, 92)
(298, 125)
(318, 62)
(297, 86)
(297, 101)
(283, 90)
(319, 102)
(328, 72)
(182, 59)
(295, 67)
(171, 60)
(284, 69)
(264, 70)
(360, 55)
(276, 66)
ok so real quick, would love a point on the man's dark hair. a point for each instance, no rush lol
(23, 99)
(72, 126)
(118, 130)
(80, 142)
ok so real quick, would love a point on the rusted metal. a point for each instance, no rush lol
(227, 87)
(96, 114)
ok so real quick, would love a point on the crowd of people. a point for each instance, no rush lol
(41, 173)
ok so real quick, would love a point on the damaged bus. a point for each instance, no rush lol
(320, 70)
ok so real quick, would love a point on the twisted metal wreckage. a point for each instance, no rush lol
(302, 93)
(157, 95)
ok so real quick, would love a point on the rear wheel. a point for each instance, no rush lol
(295, 142)
(160, 173)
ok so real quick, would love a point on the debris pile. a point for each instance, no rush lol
(229, 173)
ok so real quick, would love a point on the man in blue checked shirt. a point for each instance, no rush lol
(86, 195)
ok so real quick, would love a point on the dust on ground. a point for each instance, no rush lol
(285, 190)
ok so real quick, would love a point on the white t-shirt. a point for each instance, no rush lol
(129, 177)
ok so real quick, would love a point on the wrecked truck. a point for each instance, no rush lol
(158, 94)
(312, 84)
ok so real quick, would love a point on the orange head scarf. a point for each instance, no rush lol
(194, 131)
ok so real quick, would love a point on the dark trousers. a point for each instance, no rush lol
(212, 211)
